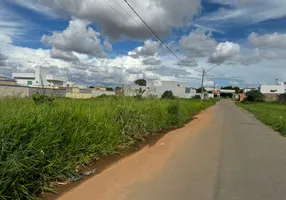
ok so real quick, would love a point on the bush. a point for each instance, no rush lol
(41, 98)
(168, 95)
(282, 98)
(196, 96)
(254, 96)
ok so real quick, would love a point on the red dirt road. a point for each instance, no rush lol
(144, 165)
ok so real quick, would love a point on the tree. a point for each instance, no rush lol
(254, 96)
(237, 90)
(200, 89)
(227, 88)
(168, 95)
(91, 87)
(139, 93)
(140, 82)
(118, 88)
(109, 89)
(282, 98)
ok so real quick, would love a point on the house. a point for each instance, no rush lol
(271, 92)
(41, 77)
(227, 93)
(179, 89)
(245, 90)
(273, 89)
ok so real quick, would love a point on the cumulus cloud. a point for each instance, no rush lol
(134, 70)
(198, 43)
(2, 59)
(63, 55)
(274, 40)
(161, 15)
(152, 61)
(257, 55)
(224, 51)
(163, 70)
(149, 48)
(107, 44)
(77, 37)
(190, 61)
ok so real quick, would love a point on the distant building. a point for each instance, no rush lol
(179, 89)
(41, 77)
(245, 90)
(273, 89)
(272, 92)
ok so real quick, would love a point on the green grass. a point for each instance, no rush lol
(272, 114)
(44, 143)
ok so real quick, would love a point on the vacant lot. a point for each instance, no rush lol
(43, 143)
(271, 114)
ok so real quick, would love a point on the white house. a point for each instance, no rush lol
(273, 89)
(41, 77)
(245, 90)
(179, 89)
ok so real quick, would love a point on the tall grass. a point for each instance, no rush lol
(272, 114)
(43, 143)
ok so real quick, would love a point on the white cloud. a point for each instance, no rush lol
(161, 15)
(189, 61)
(107, 44)
(152, 61)
(274, 40)
(243, 12)
(150, 48)
(198, 43)
(134, 70)
(224, 51)
(77, 37)
(12, 25)
(63, 55)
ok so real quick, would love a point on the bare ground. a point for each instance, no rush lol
(113, 182)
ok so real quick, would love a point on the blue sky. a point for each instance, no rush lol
(95, 38)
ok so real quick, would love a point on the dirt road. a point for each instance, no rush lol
(225, 154)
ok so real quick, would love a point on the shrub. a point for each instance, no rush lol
(254, 96)
(168, 95)
(196, 96)
(41, 98)
(282, 98)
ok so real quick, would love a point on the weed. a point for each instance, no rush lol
(41, 144)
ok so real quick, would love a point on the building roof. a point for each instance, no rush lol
(56, 78)
(227, 91)
(23, 75)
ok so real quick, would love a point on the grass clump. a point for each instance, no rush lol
(272, 114)
(40, 143)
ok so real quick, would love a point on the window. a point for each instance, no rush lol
(273, 90)
(29, 82)
(188, 90)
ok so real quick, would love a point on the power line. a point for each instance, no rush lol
(117, 12)
(211, 68)
(128, 14)
(164, 44)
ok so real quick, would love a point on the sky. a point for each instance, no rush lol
(104, 43)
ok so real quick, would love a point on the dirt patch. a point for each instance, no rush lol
(115, 173)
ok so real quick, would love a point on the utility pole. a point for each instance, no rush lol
(202, 87)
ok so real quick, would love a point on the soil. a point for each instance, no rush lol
(140, 163)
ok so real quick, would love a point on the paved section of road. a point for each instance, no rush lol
(225, 154)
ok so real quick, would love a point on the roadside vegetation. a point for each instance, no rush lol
(41, 142)
(272, 114)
